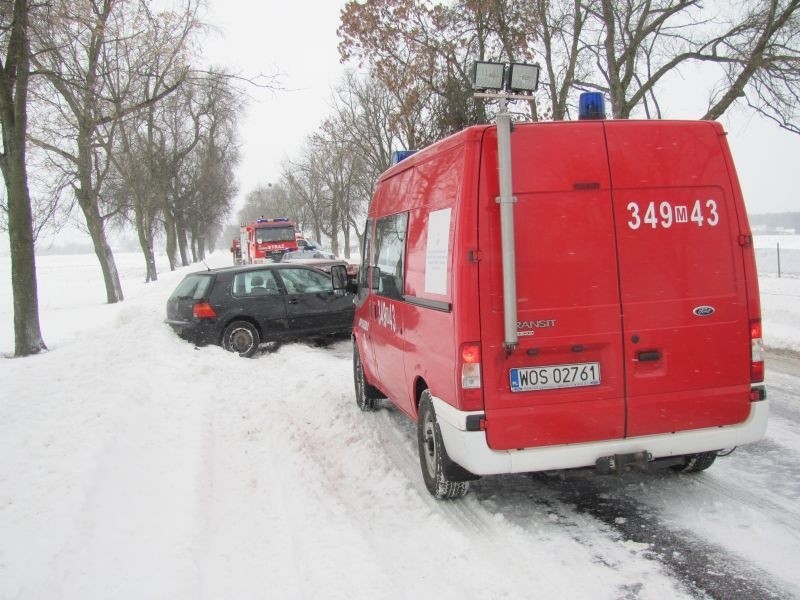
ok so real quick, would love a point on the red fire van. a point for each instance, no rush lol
(638, 327)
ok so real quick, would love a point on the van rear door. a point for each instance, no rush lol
(682, 282)
(564, 383)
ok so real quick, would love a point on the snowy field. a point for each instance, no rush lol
(133, 465)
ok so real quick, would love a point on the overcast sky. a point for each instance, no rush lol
(298, 38)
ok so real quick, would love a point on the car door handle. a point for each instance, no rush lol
(292, 300)
(648, 355)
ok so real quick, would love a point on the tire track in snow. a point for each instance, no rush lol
(700, 567)
(705, 568)
(515, 526)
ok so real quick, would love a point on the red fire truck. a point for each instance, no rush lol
(266, 240)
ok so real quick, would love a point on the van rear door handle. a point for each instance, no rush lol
(646, 355)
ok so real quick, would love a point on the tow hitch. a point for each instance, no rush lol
(620, 463)
(642, 461)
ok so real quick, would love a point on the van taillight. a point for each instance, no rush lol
(470, 366)
(756, 352)
(471, 392)
(203, 310)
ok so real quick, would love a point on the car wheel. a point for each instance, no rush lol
(694, 463)
(241, 337)
(433, 456)
(366, 395)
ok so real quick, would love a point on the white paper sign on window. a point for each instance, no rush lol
(436, 255)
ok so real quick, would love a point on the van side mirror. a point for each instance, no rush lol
(375, 280)
(339, 277)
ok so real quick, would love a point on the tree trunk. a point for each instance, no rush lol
(89, 202)
(172, 240)
(183, 242)
(14, 116)
(334, 221)
(194, 247)
(146, 244)
(347, 240)
(102, 250)
(27, 331)
(201, 247)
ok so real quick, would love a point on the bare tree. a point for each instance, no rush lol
(761, 62)
(306, 189)
(756, 50)
(207, 177)
(563, 52)
(370, 117)
(83, 42)
(425, 51)
(14, 76)
(750, 48)
(273, 200)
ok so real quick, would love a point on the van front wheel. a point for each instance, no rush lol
(433, 456)
(366, 395)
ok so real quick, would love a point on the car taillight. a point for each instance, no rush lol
(756, 352)
(203, 310)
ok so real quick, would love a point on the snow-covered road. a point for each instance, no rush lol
(133, 465)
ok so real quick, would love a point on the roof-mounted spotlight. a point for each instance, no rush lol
(522, 78)
(488, 76)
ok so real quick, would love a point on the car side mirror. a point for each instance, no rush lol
(339, 277)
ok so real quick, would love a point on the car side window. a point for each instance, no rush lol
(255, 283)
(390, 253)
(305, 281)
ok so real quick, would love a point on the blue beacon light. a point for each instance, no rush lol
(592, 105)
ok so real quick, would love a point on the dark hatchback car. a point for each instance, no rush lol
(242, 307)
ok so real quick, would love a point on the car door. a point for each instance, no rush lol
(313, 306)
(257, 295)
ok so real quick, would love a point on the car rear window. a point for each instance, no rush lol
(193, 286)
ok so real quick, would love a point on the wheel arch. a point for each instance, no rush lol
(420, 385)
(233, 319)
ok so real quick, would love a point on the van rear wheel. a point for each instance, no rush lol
(694, 463)
(433, 456)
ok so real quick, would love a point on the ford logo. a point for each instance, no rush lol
(704, 311)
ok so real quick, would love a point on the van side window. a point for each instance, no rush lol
(390, 254)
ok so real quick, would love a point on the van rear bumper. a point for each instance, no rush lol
(470, 449)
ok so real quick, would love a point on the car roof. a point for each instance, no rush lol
(306, 254)
(246, 268)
